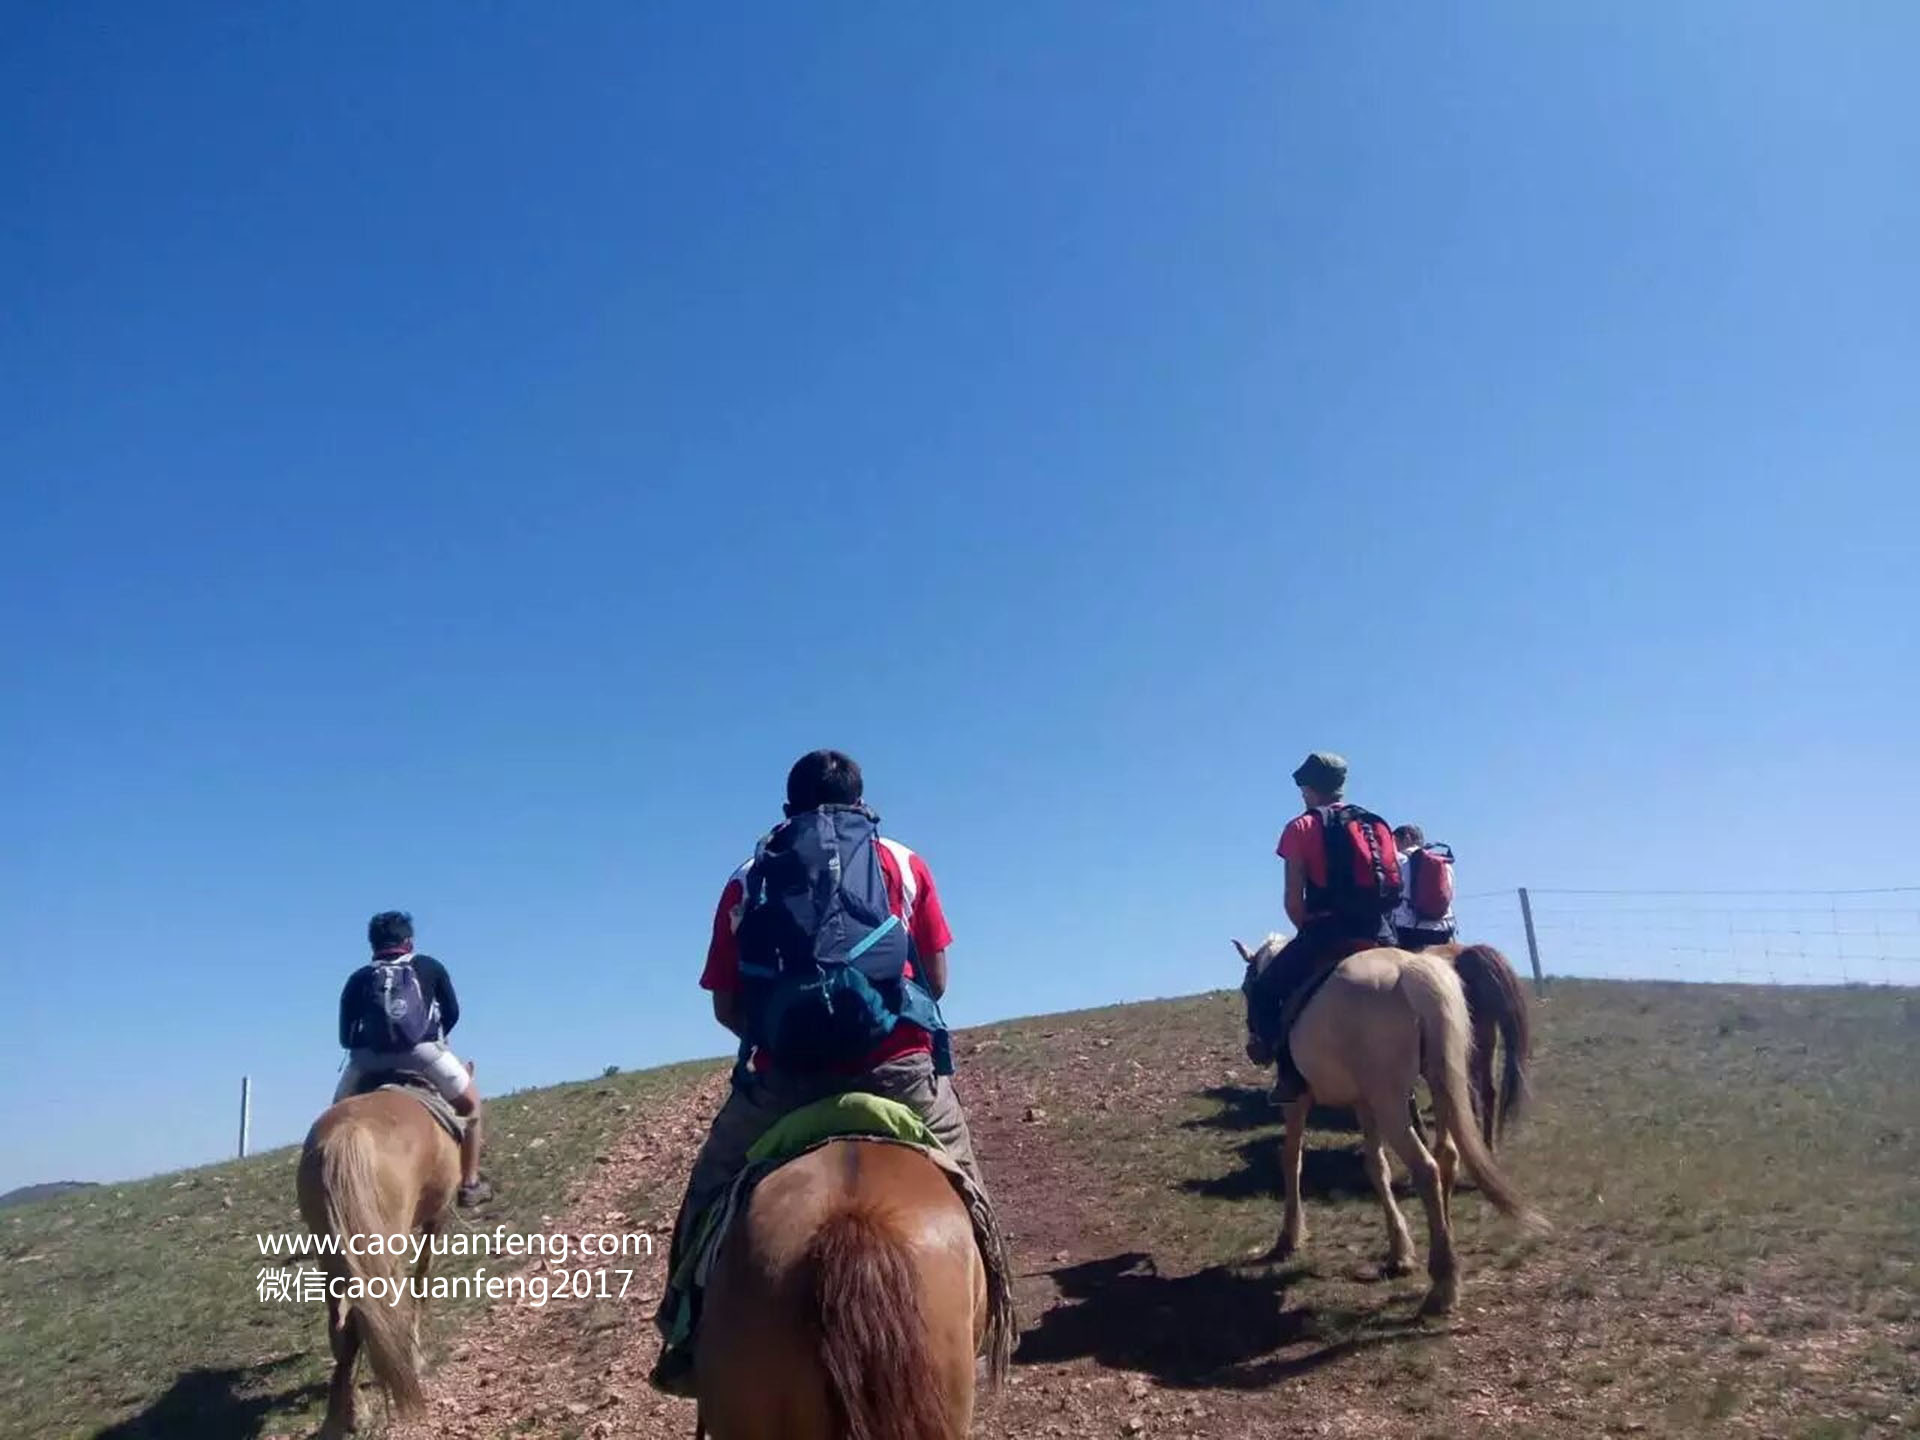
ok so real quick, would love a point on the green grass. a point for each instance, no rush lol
(1731, 1172)
(138, 1302)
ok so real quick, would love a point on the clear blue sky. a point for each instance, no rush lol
(456, 458)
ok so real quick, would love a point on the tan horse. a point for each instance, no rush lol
(375, 1164)
(848, 1304)
(1383, 1019)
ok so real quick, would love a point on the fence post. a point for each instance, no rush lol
(246, 1112)
(1533, 945)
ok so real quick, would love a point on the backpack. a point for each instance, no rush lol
(1363, 867)
(823, 958)
(393, 1013)
(1430, 893)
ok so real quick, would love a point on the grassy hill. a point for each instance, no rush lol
(1731, 1172)
(46, 1190)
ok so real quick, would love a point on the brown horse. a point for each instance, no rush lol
(1381, 1020)
(375, 1164)
(848, 1303)
(1497, 1006)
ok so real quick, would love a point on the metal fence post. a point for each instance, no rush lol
(246, 1112)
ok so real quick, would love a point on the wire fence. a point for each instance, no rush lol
(1771, 937)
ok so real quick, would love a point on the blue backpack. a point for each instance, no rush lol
(823, 957)
(393, 1012)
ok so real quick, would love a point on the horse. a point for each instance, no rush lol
(376, 1163)
(848, 1303)
(1383, 1018)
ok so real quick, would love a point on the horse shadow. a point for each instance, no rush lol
(206, 1404)
(1326, 1172)
(1246, 1107)
(1218, 1328)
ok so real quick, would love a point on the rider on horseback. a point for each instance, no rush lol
(1343, 881)
(395, 1014)
(828, 959)
(1425, 913)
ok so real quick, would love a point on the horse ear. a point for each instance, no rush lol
(1245, 954)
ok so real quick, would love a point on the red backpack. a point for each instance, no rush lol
(1363, 867)
(1431, 894)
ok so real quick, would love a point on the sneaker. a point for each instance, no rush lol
(673, 1372)
(474, 1194)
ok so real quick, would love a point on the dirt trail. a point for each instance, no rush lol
(577, 1371)
(579, 1368)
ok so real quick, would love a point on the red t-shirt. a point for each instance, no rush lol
(1305, 840)
(911, 895)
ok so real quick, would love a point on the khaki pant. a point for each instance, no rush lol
(759, 1100)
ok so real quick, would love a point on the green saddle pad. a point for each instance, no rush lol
(853, 1113)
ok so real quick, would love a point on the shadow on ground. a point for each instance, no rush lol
(216, 1405)
(1246, 1107)
(1326, 1173)
(1221, 1328)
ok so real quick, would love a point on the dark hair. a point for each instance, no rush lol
(390, 929)
(823, 777)
(1410, 835)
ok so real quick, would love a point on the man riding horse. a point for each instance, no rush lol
(396, 1012)
(828, 959)
(1342, 884)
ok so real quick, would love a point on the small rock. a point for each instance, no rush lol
(536, 1143)
(1134, 1426)
(1035, 1115)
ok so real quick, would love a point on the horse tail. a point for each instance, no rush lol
(350, 1192)
(1494, 989)
(864, 1295)
(1446, 1032)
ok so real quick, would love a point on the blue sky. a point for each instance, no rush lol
(457, 459)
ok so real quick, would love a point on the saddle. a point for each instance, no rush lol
(855, 1115)
(1329, 962)
(418, 1087)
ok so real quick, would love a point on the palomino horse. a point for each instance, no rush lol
(376, 1164)
(1382, 1019)
(848, 1303)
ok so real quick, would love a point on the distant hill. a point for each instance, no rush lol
(27, 1193)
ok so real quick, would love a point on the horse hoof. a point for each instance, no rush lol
(1396, 1267)
(1439, 1301)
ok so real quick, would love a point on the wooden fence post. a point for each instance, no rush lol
(1533, 945)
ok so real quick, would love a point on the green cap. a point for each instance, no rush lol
(1324, 771)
